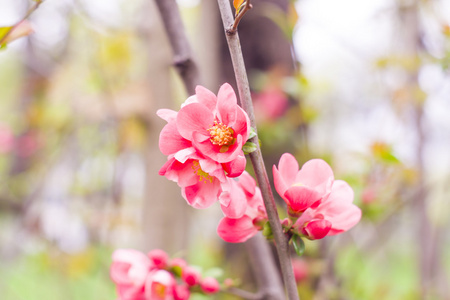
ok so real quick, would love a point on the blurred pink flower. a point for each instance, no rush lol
(300, 268)
(270, 104)
(334, 215)
(240, 229)
(159, 258)
(216, 126)
(129, 272)
(159, 285)
(304, 188)
(6, 139)
(191, 276)
(181, 292)
(209, 285)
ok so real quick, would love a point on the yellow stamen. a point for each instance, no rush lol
(202, 175)
(221, 134)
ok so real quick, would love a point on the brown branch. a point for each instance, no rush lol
(27, 15)
(281, 239)
(233, 29)
(183, 61)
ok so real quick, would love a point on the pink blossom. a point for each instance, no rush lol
(271, 103)
(129, 271)
(334, 215)
(159, 285)
(159, 258)
(304, 188)
(200, 180)
(240, 229)
(210, 285)
(191, 276)
(181, 292)
(216, 126)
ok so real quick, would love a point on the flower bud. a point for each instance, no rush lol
(191, 276)
(159, 258)
(210, 285)
(181, 292)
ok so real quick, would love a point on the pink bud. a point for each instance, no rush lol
(191, 276)
(210, 285)
(317, 229)
(181, 292)
(159, 258)
(228, 282)
(178, 262)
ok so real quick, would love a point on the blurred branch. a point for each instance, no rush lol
(27, 15)
(183, 61)
(243, 294)
(281, 239)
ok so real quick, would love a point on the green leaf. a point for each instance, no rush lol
(267, 231)
(252, 133)
(249, 147)
(299, 245)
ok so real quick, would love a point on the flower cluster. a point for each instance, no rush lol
(156, 277)
(203, 142)
(317, 204)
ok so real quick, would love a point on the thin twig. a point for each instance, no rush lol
(27, 15)
(183, 61)
(256, 156)
(233, 29)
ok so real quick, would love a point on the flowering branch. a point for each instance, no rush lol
(27, 15)
(183, 60)
(233, 29)
(281, 239)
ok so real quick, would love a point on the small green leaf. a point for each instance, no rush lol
(267, 231)
(252, 133)
(249, 147)
(299, 245)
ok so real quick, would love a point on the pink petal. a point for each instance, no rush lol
(233, 201)
(206, 97)
(184, 154)
(316, 173)
(235, 167)
(346, 220)
(192, 118)
(301, 197)
(203, 194)
(248, 183)
(170, 140)
(241, 124)
(284, 176)
(167, 114)
(317, 229)
(205, 147)
(236, 230)
(226, 105)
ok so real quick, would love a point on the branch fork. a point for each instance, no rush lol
(233, 28)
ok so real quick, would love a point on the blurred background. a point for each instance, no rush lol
(364, 85)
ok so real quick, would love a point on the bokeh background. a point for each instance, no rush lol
(364, 85)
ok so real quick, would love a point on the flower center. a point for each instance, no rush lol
(221, 134)
(202, 175)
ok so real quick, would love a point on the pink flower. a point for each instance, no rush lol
(159, 258)
(6, 139)
(159, 285)
(240, 229)
(216, 126)
(191, 276)
(305, 188)
(334, 215)
(210, 285)
(181, 292)
(200, 180)
(271, 103)
(129, 271)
